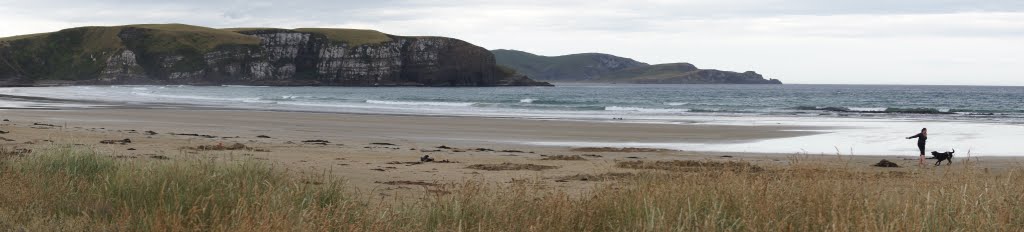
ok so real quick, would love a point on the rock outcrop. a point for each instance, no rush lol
(597, 67)
(183, 54)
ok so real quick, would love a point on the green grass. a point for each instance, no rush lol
(244, 29)
(353, 37)
(653, 72)
(164, 37)
(170, 37)
(18, 37)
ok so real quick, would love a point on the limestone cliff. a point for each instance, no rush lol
(183, 54)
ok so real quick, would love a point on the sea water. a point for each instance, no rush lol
(853, 119)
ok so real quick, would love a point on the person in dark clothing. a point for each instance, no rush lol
(921, 138)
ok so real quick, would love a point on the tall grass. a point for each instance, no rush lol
(71, 189)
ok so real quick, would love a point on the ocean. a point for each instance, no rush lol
(853, 119)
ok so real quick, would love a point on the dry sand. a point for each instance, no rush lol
(378, 154)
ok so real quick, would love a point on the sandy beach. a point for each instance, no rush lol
(379, 154)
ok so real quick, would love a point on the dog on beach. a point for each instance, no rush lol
(947, 156)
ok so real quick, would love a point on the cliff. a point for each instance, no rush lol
(597, 67)
(192, 55)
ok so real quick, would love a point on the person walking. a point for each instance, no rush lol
(921, 138)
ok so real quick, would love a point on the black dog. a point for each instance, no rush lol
(948, 156)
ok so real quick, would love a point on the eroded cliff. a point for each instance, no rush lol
(183, 54)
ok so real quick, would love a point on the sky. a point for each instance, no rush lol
(936, 42)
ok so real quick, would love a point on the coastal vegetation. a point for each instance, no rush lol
(73, 188)
(598, 67)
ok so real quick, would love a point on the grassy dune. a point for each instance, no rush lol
(66, 188)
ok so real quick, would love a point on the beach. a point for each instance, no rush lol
(380, 154)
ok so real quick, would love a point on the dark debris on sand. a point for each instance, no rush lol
(598, 177)
(510, 167)
(691, 165)
(316, 141)
(886, 164)
(564, 157)
(122, 142)
(406, 182)
(196, 135)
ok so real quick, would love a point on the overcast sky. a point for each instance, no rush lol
(798, 41)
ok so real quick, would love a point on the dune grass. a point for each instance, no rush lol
(75, 189)
(72, 189)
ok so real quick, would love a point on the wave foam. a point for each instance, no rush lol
(647, 110)
(421, 103)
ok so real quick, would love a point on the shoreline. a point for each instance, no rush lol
(378, 153)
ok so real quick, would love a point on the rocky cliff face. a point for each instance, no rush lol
(181, 54)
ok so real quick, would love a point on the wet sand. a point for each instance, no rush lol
(377, 154)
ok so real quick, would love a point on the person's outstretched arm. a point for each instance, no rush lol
(915, 136)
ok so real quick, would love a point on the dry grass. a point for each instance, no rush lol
(74, 190)
(69, 189)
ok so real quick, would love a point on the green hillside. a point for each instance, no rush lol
(78, 53)
(660, 71)
(597, 67)
(575, 67)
